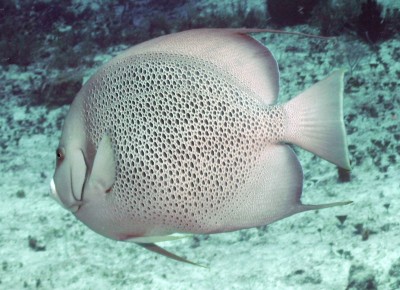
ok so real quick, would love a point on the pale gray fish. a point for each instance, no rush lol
(182, 134)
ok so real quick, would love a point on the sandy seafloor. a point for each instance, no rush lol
(305, 251)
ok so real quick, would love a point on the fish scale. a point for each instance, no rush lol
(148, 187)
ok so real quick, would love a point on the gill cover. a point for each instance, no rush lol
(67, 184)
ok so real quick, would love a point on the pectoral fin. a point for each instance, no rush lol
(154, 248)
(103, 171)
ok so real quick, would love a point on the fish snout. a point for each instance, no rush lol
(54, 194)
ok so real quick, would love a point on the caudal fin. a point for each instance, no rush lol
(315, 120)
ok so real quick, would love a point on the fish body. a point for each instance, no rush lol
(183, 134)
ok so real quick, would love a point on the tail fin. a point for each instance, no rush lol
(315, 120)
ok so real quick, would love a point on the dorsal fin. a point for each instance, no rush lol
(232, 49)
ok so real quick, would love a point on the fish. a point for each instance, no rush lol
(183, 135)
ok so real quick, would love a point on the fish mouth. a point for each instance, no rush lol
(73, 207)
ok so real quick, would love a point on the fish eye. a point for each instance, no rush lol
(60, 154)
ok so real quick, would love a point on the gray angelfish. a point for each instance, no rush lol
(182, 134)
